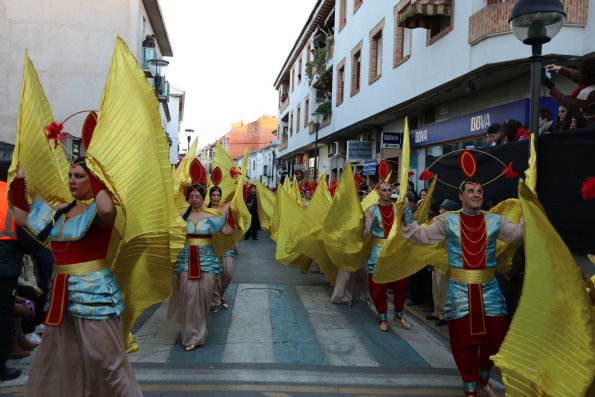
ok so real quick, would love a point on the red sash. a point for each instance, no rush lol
(193, 262)
(58, 300)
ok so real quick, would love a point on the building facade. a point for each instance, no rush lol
(451, 67)
(71, 45)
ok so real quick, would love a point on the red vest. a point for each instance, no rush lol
(8, 225)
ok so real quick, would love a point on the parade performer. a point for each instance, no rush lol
(379, 219)
(85, 301)
(197, 264)
(224, 277)
(475, 308)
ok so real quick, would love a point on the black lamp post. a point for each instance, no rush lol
(535, 22)
(189, 132)
(317, 120)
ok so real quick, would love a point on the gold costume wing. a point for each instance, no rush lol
(181, 177)
(48, 178)
(371, 199)
(225, 163)
(549, 348)
(129, 154)
(266, 205)
(343, 227)
(421, 215)
(241, 214)
(306, 236)
(289, 215)
(295, 192)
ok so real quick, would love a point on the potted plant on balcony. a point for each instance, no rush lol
(316, 73)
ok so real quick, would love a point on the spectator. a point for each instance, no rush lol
(513, 131)
(583, 96)
(411, 188)
(252, 205)
(29, 290)
(546, 124)
(494, 134)
(564, 120)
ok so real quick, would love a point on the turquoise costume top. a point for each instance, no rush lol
(94, 295)
(377, 231)
(457, 301)
(209, 263)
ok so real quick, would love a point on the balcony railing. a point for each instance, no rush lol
(283, 105)
(493, 18)
(283, 145)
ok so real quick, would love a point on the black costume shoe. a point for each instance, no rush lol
(9, 373)
(441, 322)
(432, 317)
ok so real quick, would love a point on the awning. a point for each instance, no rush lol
(420, 12)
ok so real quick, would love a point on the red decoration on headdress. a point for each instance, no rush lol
(358, 178)
(588, 189)
(88, 128)
(508, 172)
(467, 163)
(426, 175)
(234, 172)
(305, 183)
(383, 170)
(54, 132)
(332, 189)
(216, 176)
(198, 174)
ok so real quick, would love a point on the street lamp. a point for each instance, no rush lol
(317, 120)
(535, 22)
(158, 68)
(189, 132)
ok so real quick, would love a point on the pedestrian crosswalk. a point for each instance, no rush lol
(292, 324)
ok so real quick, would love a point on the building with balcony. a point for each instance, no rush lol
(253, 136)
(451, 67)
(71, 45)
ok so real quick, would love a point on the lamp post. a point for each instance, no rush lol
(189, 132)
(535, 22)
(317, 120)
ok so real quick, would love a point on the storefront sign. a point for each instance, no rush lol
(473, 124)
(359, 150)
(391, 140)
(370, 167)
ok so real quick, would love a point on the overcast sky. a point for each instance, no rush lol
(227, 54)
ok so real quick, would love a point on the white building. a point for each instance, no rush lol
(71, 45)
(261, 166)
(452, 78)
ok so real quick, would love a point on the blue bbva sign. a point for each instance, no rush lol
(391, 140)
(475, 123)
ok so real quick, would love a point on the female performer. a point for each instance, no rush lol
(82, 350)
(197, 263)
(224, 278)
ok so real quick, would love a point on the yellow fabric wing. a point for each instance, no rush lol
(47, 178)
(266, 205)
(289, 215)
(129, 154)
(181, 178)
(371, 199)
(225, 163)
(343, 227)
(550, 347)
(306, 236)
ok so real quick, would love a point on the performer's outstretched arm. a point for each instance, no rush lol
(428, 235)
(511, 233)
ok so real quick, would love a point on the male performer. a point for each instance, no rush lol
(475, 308)
(379, 219)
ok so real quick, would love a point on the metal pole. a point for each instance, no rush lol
(536, 61)
(316, 154)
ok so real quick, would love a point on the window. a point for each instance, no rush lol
(356, 5)
(291, 123)
(356, 68)
(340, 82)
(342, 14)
(306, 110)
(375, 71)
(297, 119)
(308, 51)
(299, 76)
(402, 39)
(292, 78)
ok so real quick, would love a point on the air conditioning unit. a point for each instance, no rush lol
(337, 148)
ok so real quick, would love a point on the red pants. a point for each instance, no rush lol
(378, 294)
(473, 352)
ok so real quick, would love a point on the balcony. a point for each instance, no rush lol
(283, 145)
(493, 18)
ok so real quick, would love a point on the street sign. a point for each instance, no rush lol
(370, 167)
(391, 140)
(359, 150)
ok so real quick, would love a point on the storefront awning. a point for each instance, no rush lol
(420, 12)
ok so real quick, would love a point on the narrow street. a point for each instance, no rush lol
(281, 336)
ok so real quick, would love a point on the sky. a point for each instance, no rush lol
(227, 55)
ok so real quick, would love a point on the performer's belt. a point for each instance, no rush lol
(472, 276)
(59, 295)
(80, 268)
(194, 241)
(377, 241)
(198, 241)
